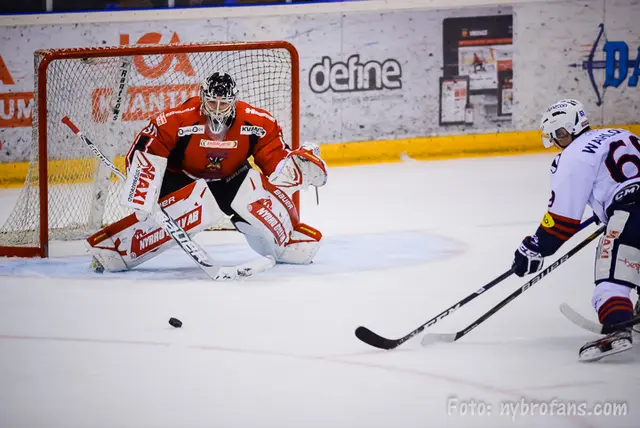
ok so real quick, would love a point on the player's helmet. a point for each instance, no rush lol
(565, 117)
(218, 95)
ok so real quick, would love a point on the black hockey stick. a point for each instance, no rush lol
(452, 337)
(373, 339)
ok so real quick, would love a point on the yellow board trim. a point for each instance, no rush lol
(362, 152)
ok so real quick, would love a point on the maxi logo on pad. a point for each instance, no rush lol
(354, 76)
(618, 64)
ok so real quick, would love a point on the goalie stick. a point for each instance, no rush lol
(173, 229)
(452, 337)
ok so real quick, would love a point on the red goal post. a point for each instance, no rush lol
(111, 93)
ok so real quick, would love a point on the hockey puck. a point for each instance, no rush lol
(175, 322)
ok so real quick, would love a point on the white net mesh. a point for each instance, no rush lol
(82, 197)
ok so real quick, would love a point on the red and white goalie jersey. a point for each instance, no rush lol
(182, 136)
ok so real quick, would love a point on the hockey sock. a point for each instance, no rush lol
(615, 310)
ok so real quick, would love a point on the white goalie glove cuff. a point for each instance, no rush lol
(303, 167)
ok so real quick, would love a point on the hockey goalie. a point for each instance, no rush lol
(192, 160)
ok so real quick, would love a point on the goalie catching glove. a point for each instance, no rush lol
(300, 169)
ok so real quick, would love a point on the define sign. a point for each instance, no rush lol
(354, 76)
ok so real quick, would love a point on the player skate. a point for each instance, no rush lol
(195, 159)
(613, 343)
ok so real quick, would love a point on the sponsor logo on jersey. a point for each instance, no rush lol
(213, 144)
(184, 110)
(161, 119)
(547, 221)
(253, 130)
(190, 130)
(143, 243)
(250, 110)
(354, 76)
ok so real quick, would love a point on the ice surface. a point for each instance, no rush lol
(403, 242)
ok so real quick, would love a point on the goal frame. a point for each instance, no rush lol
(47, 56)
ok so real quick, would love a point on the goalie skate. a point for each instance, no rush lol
(613, 343)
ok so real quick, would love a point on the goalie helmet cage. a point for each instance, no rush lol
(111, 93)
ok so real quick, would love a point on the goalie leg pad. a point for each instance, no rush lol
(618, 253)
(303, 245)
(130, 242)
(270, 222)
(108, 252)
(267, 214)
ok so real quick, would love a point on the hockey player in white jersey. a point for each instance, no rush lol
(599, 168)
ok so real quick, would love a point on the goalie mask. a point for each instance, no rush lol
(218, 95)
(562, 119)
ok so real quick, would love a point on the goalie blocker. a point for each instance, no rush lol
(262, 212)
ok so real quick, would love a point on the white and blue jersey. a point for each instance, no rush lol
(597, 169)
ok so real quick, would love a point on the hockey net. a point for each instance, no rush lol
(110, 94)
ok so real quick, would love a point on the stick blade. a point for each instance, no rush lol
(242, 271)
(576, 318)
(431, 338)
(375, 340)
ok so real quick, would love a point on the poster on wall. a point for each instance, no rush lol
(505, 88)
(454, 99)
(480, 48)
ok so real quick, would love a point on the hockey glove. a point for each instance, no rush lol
(527, 258)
